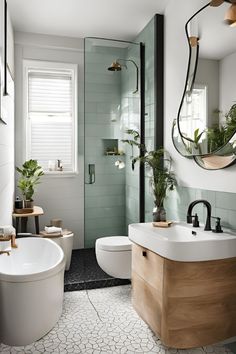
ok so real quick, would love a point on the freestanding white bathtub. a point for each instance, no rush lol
(31, 290)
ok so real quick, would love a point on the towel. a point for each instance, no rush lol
(52, 229)
(5, 246)
(7, 230)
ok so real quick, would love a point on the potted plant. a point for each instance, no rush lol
(30, 176)
(162, 178)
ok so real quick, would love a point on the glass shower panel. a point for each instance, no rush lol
(130, 119)
(110, 109)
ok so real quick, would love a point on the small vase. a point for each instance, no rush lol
(159, 213)
(28, 204)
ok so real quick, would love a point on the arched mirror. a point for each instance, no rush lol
(205, 128)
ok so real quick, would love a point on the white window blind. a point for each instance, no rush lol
(51, 118)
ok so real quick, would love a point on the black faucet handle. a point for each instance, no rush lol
(195, 221)
(218, 228)
(189, 219)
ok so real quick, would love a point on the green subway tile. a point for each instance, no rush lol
(104, 223)
(224, 215)
(232, 219)
(104, 201)
(105, 180)
(97, 191)
(187, 195)
(108, 107)
(210, 196)
(105, 88)
(101, 78)
(226, 200)
(114, 211)
(90, 107)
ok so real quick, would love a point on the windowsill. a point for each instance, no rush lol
(60, 174)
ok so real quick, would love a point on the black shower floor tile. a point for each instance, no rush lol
(85, 273)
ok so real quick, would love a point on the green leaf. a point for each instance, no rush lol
(159, 161)
(30, 177)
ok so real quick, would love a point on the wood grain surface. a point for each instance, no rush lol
(187, 304)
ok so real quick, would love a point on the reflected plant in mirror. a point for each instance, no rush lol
(162, 177)
(205, 128)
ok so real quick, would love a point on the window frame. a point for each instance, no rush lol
(51, 65)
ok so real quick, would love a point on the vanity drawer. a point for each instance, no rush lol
(149, 266)
(146, 302)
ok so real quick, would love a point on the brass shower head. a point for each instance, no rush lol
(115, 66)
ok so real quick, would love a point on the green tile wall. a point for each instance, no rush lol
(223, 205)
(109, 95)
(104, 200)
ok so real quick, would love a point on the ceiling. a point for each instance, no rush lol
(122, 19)
(217, 39)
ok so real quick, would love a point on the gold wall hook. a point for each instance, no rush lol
(193, 41)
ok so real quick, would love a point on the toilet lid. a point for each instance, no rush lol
(114, 243)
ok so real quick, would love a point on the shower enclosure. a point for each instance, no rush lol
(113, 103)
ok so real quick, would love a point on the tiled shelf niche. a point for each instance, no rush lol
(111, 147)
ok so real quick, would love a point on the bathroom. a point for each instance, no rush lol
(44, 32)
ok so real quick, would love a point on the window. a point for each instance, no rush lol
(194, 111)
(51, 125)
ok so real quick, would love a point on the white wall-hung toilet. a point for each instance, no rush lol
(114, 255)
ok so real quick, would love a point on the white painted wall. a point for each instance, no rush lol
(7, 163)
(176, 58)
(7, 149)
(227, 82)
(208, 74)
(60, 197)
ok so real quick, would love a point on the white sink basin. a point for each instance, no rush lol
(179, 244)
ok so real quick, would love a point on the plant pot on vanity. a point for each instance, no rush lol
(159, 213)
(162, 178)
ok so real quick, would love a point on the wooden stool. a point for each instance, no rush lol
(24, 219)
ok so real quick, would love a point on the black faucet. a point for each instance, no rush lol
(208, 219)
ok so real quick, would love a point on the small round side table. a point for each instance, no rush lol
(24, 219)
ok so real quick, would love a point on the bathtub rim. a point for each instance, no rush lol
(19, 278)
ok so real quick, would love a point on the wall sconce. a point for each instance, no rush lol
(120, 164)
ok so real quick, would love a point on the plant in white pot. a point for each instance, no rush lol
(30, 177)
(162, 178)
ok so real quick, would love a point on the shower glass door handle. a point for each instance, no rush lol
(91, 171)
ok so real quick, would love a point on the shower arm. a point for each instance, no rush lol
(136, 66)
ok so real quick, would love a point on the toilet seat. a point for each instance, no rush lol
(114, 243)
(113, 255)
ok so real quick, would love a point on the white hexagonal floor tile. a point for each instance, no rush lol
(102, 321)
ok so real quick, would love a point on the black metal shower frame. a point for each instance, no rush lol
(159, 80)
(158, 100)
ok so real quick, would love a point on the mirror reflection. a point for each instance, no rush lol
(206, 121)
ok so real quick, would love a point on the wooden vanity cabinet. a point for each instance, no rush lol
(187, 304)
